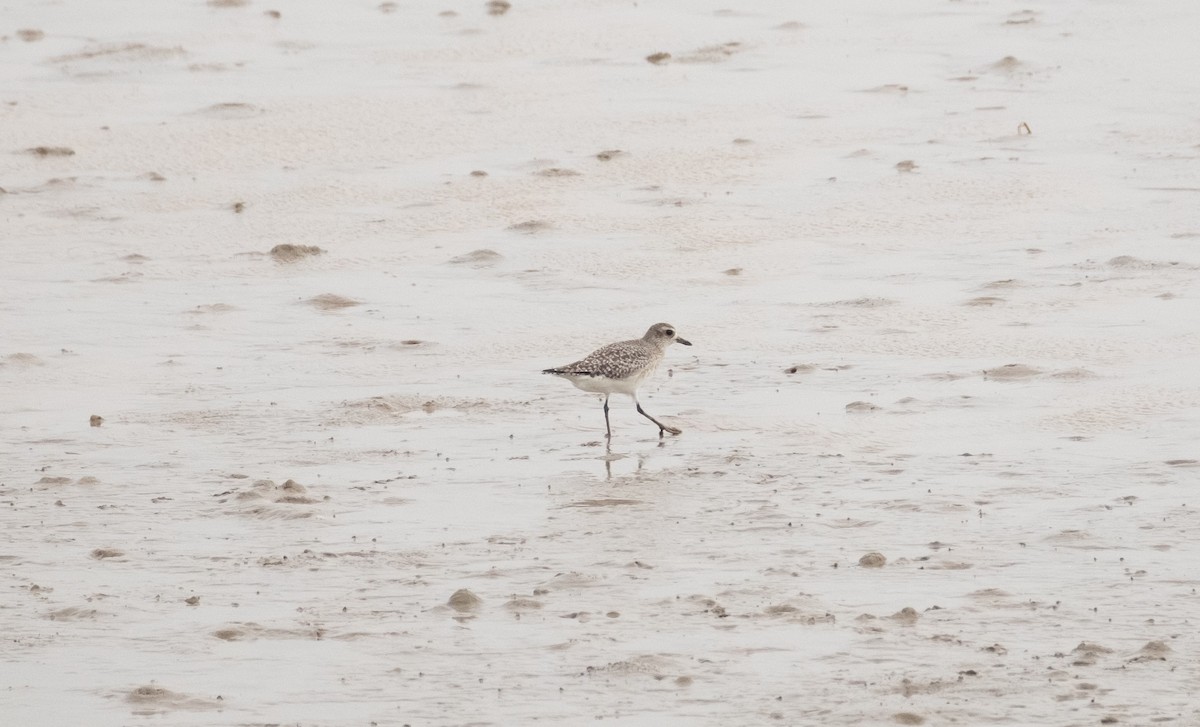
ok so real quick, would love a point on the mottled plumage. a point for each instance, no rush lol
(619, 368)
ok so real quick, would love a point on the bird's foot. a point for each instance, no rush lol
(672, 430)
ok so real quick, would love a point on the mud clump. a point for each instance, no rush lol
(152, 699)
(262, 499)
(230, 110)
(873, 560)
(294, 494)
(557, 172)
(609, 154)
(30, 35)
(907, 718)
(906, 166)
(860, 407)
(478, 258)
(287, 253)
(1007, 64)
(1011, 372)
(51, 151)
(330, 301)
(658, 59)
(530, 227)
(1152, 651)
(1087, 653)
(106, 553)
(906, 615)
(464, 601)
(95, 420)
(498, 7)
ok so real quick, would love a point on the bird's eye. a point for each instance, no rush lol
(669, 333)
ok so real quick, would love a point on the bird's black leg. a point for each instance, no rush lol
(607, 427)
(661, 427)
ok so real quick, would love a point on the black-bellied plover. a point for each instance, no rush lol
(619, 368)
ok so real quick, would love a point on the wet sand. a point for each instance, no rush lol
(278, 282)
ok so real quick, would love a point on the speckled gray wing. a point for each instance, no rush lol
(615, 361)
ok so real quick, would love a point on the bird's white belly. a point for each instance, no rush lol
(603, 385)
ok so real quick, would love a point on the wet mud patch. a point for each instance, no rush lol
(604, 502)
(412, 344)
(389, 409)
(309, 559)
(1152, 651)
(332, 301)
(862, 407)
(718, 53)
(865, 302)
(464, 601)
(1129, 262)
(251, 631)
(798, 614)
(557, 172)
(531, 227)
(899, 89)
(1011, 372)
(230, 111)
(107, 554)
(1010, 66)
(212, 308)
(73, 613)
(1087, 653)
(481, 258)
(152, 699)
(129, 52)
(288, 253)
(568, 581)
(1075, 374)
(51, 151)
(48, 482)
(265, 500)
(1022, 17)
(21, 360)
(652, 665)
(522, 605)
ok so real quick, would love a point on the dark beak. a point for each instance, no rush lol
(684, 341)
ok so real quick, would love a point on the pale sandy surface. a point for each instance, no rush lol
(839, 187)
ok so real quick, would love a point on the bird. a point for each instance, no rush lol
(619, 368)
